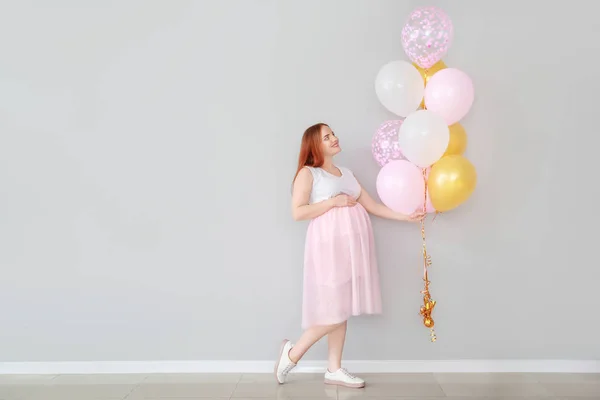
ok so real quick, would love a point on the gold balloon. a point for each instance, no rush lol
(438, 66)
(428, 322)
(458, 140)
(426, 75)
(451, 182)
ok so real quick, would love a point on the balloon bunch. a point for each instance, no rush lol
(421, 156)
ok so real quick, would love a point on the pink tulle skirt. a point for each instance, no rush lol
(340, 268)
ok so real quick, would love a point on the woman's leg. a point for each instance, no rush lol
(336, 339)
(309, 338)
(335, 375)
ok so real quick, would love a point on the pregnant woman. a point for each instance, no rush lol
(340, 270)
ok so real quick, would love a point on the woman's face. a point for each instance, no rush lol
(329, 142)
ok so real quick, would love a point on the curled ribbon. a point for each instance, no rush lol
(428, 303)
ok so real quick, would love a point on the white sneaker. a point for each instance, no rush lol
(341, 377)
(284, 365)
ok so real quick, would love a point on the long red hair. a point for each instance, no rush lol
(311, 154)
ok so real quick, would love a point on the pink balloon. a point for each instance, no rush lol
(385, 145)
(427, 36)
(450, 94)
(401, 187)
(430, 209)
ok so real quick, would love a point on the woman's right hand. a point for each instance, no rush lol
(343, 200)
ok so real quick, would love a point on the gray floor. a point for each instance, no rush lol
(300, 386)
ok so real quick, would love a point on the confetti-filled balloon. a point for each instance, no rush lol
(427, 36)
(385, 145)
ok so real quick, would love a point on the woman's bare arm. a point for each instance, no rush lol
(382, 211)
(301, 210)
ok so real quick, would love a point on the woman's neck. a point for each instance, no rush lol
(328, 164)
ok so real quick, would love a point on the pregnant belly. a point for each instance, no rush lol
(339, 245)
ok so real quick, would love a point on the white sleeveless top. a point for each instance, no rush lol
(326, 185)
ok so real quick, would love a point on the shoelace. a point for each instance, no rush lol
(288, 368)
(348, 374)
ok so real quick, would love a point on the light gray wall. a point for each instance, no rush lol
(147, 149)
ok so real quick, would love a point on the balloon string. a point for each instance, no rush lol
(426, 258)
(428, 303)
(425, 85)
(425, 108)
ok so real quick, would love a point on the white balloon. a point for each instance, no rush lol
(399, 87)
(423, 138)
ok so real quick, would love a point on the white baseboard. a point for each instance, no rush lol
(175, 367)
